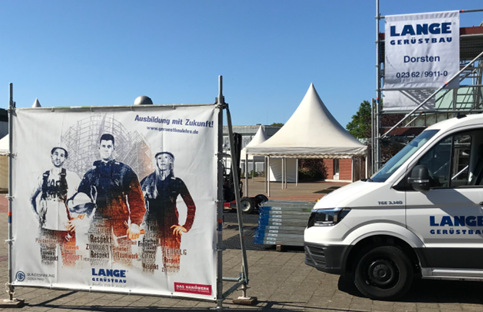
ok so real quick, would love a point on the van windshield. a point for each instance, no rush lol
(397, 160)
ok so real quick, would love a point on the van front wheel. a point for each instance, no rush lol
(383, 273)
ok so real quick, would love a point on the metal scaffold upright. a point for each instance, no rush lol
(447, 100)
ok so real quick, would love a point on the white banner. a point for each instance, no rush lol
(407, 100)
(116, 199)
(421, 50)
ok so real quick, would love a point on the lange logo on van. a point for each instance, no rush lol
(448, 224)
(390, 202)
(456, 221)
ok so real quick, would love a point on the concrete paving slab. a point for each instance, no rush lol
(280, 280)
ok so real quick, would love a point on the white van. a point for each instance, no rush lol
(420, 216)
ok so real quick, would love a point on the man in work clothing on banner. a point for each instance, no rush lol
(55, 187)
(119, 207)
(161, 189)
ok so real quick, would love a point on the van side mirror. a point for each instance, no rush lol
(420, 178)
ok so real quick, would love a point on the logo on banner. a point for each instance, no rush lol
(418, 30)
(193, 288)
(20, 276)
(109, 275)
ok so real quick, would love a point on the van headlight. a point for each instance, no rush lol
(327, 217)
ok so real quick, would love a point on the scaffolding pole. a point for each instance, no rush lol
(11, 302)
(377, 141)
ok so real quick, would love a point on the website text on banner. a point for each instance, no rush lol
(422, 50)
(117, 200)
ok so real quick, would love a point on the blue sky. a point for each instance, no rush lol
(82, 53)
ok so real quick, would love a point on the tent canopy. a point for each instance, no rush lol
(311, 132)
(4, 146)
(259, 137)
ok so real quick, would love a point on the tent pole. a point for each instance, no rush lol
(246, 174)
(253, 171)
(365, 163)
(352, 169)
(296, 172)
(283, 161)
(286, 175)
(266, 173)
(268, 184)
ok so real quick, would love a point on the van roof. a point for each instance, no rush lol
(457, 122)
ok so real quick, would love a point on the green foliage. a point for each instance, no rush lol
(279, 124)
(312, 170)
(360, 126)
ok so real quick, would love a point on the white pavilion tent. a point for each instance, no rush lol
(4, 162)
(275, 169)
(259, 137)
(311, 132)
(4, 151)
(249, 162)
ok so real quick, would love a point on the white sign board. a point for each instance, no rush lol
(421, 50)
(116, 199)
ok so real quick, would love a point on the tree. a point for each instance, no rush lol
(360, 126)
(278, 124)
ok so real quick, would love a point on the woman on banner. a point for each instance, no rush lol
(161, 189)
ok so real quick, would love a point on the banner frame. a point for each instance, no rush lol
(220, 296)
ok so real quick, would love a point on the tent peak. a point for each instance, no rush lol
(36, 103)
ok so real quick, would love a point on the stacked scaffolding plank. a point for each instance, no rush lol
(283, 222)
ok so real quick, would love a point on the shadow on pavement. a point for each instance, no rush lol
(328, 190)
(261, 306)
(429, 291)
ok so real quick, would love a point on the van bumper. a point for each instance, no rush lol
(329, 259)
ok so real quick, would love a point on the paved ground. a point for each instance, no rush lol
(280, 280)
(301, 191)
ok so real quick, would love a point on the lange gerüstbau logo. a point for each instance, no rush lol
(109, 275)
(425, 33)
(456, 225)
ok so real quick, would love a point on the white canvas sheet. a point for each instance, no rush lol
(421, 50)
(4, 172)
(4, 145)
(127, 187)
(407, 100)
(276, 170)
(4, 162)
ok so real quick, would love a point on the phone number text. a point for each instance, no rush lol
(423, 74)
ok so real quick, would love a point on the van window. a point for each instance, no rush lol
(397, 160)
(448, 161)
